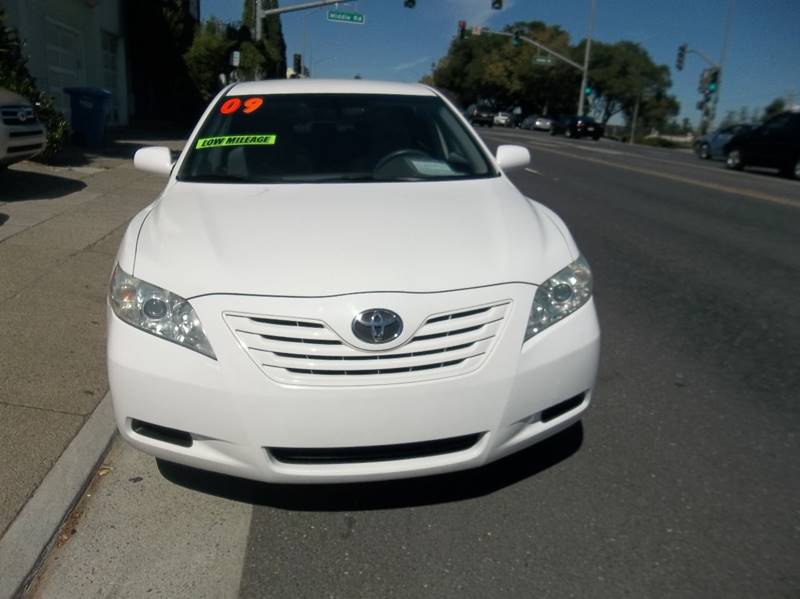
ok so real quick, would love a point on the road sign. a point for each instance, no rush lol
(543, 59)
(341, 16)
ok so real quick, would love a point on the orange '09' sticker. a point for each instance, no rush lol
(252, 104)
(230, 106)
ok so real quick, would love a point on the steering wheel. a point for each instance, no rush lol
(410, 152)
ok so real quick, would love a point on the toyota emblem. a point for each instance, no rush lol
(377, 326)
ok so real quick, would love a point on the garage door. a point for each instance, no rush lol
(64, 62)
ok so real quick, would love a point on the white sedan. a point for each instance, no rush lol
(340, 283)
(502, 119)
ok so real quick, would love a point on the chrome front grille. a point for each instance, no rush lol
(11, 115)
(304, 351)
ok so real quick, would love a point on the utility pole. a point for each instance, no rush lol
(635, 118)
(259, 13)
(722, 55)
(582, 96)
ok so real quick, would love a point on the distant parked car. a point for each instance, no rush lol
(711, 146)
(22, 136)
(775, 144)
(543, 123)
(528, 122)
(481, 115)
(502, 119)
(577, 126)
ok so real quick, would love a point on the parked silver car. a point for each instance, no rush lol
(542, 123)
(22, 136)
(712, 145)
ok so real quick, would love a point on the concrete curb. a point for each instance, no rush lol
(34, 529)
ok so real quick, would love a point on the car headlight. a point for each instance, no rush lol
(157, 311)
(559, 296)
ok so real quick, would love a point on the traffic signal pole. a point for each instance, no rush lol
(528, 40)
(711, 77)
(582, 96)
(296, 7)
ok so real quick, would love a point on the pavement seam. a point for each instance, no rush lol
(56, 263)
(27, 540)
(22, 405)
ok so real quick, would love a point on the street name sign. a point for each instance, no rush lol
(341, 16)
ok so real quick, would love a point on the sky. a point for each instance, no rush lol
(397, 43)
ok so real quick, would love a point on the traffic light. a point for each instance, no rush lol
(410, 3)
(516, 41)
(681, 57)
(462, 29)
(497, 4)
(297, 64)
(588, 90)
(713, 81)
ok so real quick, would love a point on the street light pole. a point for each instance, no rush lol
(584, 79)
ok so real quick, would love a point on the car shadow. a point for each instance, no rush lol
(430, 490)
(25, 185)
(119, 142)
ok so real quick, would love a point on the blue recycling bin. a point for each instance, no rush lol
(90, 108)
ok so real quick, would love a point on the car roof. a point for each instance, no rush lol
(328, 86)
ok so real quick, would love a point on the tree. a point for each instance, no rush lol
(744, 114)
(622, 73)
(491, 67)
(267, 57)
(730, 119)
(208, 57)
(777, 106)
(14, 75)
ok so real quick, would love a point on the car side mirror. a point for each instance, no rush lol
(512, 157)
(154, 159)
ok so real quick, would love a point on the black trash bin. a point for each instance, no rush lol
(90, 108)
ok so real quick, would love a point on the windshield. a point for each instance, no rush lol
(313, 138)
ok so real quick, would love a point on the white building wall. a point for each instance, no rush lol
(74, 43)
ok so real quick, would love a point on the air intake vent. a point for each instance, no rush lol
(375, 453)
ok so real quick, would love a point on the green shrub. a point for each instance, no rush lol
(14, 76)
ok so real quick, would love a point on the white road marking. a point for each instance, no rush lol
(530, 170)
(598, 150)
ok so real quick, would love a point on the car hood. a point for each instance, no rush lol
(331, 239)
(9, 97)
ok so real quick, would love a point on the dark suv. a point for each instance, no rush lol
(775, 144)
(577, 126)
(481, 114)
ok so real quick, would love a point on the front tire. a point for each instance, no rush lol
(792, 171)
(734, 160)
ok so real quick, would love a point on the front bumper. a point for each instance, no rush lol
(21, 142)
(235, 413)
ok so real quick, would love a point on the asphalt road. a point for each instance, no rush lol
(684, 480)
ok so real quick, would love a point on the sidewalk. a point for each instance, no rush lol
(59, 231)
